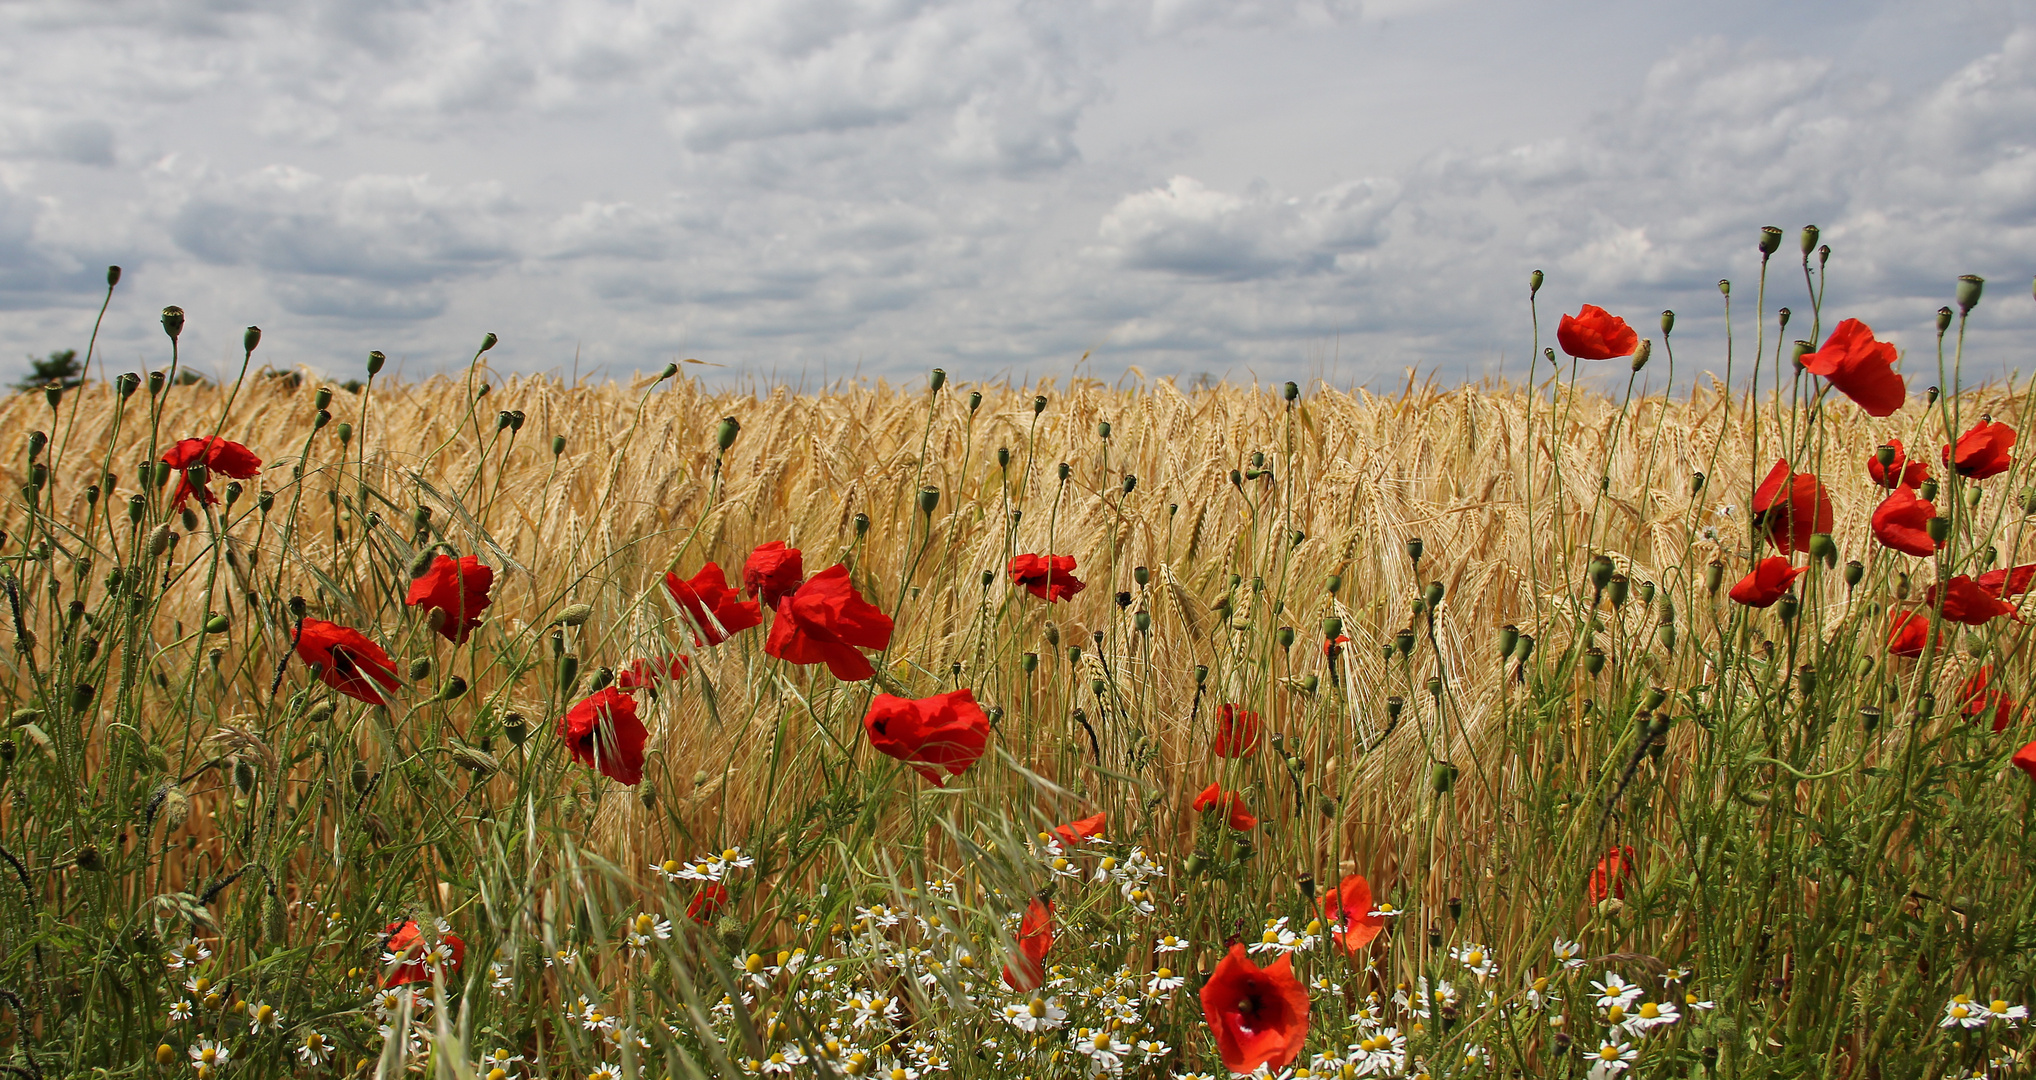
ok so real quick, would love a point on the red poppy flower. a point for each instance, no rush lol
(1335, 645)
(602, 732)
(1236, 731)
(642, 672)
(1901, 522)
(220, 456)
(1983, 451)
(2005, 582)
(1860, 368)
(1035, 936)
(1049, 577)
(939, 736)
(1902, 472)
(1908, 633)
(1595, 334)
(1768, 581)
(773, 572)
(346, 660)
(1258, 1015)
(1348, 914)
(707, 903)
(1074, 832)
(414, 960)
(1613, 874)
(1977, 697)
(1230, 802)
(2025, 759)
(826, 621)
(453, 593)
(1790, 508)
(1965, 602)
(716, 610)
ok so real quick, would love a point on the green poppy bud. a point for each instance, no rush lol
(1432, 595)
(1534, 282)
(1969, 286)
(1809, 240)
(489, 341)
(250, 338)
(1770, 240)
(1141, 576)
(1787, 608)
(375, 362)
(1943, 320)
(1039, 405)
(1201, 674)
(1667, 323)
(724, 435)
(1617, 588)
(1594, 660)
(1285, 636)
(1525, 649)
(1825, 548)
(1714, 576)
(1641, 354)
(1509, 639)
(1724, 287)
(936, 379)
(1403, 641)
(1003, 457)
(1414, 548)
(218, 624)
(173, 322)
(929, 500)
(1335, 582)
(1291, 391)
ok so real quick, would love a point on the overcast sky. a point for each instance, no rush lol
(809, 189)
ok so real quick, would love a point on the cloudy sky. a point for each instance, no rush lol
(812, 189)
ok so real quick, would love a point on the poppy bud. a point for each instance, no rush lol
(1938, 528)
(1102, 429)
(1291, 392)
(1616, 590)
(1525, 649)
(1029, 662)
(1782, 316)
(1823, 547)
(1926, 706)
(1787, 608)
(1258, 459)
(596, 682)
(1142, 621)
(1550, 354)
(1666, 633)
(724, 435)
(1141, 576)
(1404, 641)
(158, 541)
(250, 338)
(345, 434)
(1442, 778)
(1600, 571)
(1433, 595)
(81, 696)
(568, 672)
(1197, 862)
(862, 525)
(1285, 636)
(1052, 636)
(1969, 286)
(126, 384)
(1509, 639)
(1003, 457)
(575, 614)
(929, 500)
(1770, 240)
(1806, 680)
(1930, 395)
(1943, 320)
(1201, 674)
(1336, 580)
(558, 445)
(318, 422)
(1823, 255)
(173, 322)
(420, 669)
(1714, 575)
(1594, 659)
(936, 379)
(1972, 497)
(1414, 548)
(1641, 354)
(1534, 283)
(1130, 483)
(1236, 479)
(1809, 240)
(1434, 686)
(1074, 655)
(502, 420)
(1927, 490)
(1064, 471)
(488, 342)
(1725, 286)
(218, 624)
(1039, 405)
(1869, 717)
(1393, 706)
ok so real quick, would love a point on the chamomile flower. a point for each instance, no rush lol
(1962, 1011)
(1650, 1015)
(1570, 954)
(1169, 943)
(1538, 995)
(190, 953)
(1277, 938)
(1153, 1049)
(1164, 981)
(2010, 1015)
(315, 1049)
(1692, 1000)
(1610, 1059)
(207, 1054)
(1385, 910)
(1103, 1048)
(499, 1064)
(1382, 1053)
(180, 1010)
(262, 1018)
(500, 975)
(1615, 991)
(605, 1071)
(1476, 959)
(567, 957)
(1037, 1015)
(669, 870)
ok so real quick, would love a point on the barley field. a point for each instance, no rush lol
(1499, 730)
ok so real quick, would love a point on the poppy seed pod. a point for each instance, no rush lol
(1809, 240)
(1003, 457)
(1052, 635)
(420, 669)
(1594, 660)
(1123, 601)
(1335, 581)
(724, 435)
(1130, 483)
(1029, 662)
(1534, 281)
(1787, 608)
(1697, 484)
(1641, 354)
(1102, 429)
(1782, 316)
(1930, 395)
(1442, 778)
(1403, 642)
(1770, 240)
(1647, 592)
(575, 614)
(502, 420)
(1714, 575)
(1525, 648)
(1291, 391)
(1434, 686)
(558, 445)
(1393, 706)
(319, 421)
(1433, 594)
(862, 524)
(1064, 471)
(936, 379)
(1039, 405)
(1141, 576)
(1667, 323)
(1414, 548)
(975, 401)
(1825, 548)
(375, 362)
(1943, 320)
(1285, 636)
(1797, 351)
(1074, 655)
(1201, 674)
(488, 341)
(173, 322)
(1927, 490)
(1599, 572)
(1725, 286)
(929, 500)
(1823, 255)
(37, 441)
(250, 338)
(1509, 639)
(1142, 621)
(1938, 528)
(345, 434)
(1617, 589)
(1806, 680)
(1969, 286)
(1236, 479)
(1854, 571)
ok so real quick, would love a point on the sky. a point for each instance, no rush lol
(802, 191)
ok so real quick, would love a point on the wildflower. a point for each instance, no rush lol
(453, 593)
(1258, 1016)
(1983, 451)
(403, 946)
(346, 660)
(207, 1054)
(643, 672)
(605, 1071)
(221, 456)
(190, 953)
(1382, 1053)
(1767, 582)
(2007, 582)
(1538, 997)
(1048, 577)
(2010, 1015)
(827, 621)
(773, 572)
(1595, 334)
(707, 903)
(564, 958)
(1966, 602)
(1610, 1059)
(1074, 832)
(1475, 959)
(1962, 1011)
(1859, 367)
(646, 928)
(1164, 981)
(1035, 937)
(1613, 873)
(1239, 815)
(1901, 523)
(180, 1009)
(1169, 943)
(1385, 910)
(1276, 938)
(1568, 953)
(2025, 759)
(316, 1049)
(1036, 1015)
(263, 1018)
(1616, 991)
(1236, 731)
(1348, 910)
(1908, 632)
(715, 611)
(1902, 472)
(1153, 1049)
(500, 976)
(592, 1017)
(1978, 696)
(1790, 507)
(1650, 1015)
(1695, 1002)
(603, 733)
(938, 736)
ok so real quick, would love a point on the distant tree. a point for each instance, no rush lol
(60, 367)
